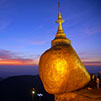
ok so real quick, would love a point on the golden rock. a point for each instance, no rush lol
(60, 68)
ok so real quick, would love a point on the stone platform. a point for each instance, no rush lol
(80, 95)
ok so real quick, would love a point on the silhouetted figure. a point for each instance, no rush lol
(92, 83)
(99, 76)
(97, 81)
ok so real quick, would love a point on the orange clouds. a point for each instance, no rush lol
(10, 62)
(92, 63)
(9, 58)
(18, 62)
(35, 62)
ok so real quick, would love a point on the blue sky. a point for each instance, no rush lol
(28, 26)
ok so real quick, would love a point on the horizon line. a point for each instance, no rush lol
(90, 63)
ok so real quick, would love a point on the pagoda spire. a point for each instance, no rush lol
(59, 21)
(60, 37)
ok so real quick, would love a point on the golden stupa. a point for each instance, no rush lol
(60, 68)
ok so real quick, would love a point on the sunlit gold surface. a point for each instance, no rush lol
(61, 70)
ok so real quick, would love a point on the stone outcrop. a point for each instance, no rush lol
(81, 95)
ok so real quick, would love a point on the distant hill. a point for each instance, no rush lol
(19, 88)
(1, 79)
(12, 70)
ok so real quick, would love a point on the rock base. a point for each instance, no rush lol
(81, 95)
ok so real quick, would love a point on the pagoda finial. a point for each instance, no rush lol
(60, 37)
(59, 21)
(59, 5)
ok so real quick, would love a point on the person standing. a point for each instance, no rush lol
(97, 82)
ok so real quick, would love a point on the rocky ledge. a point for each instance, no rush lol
(80, 95)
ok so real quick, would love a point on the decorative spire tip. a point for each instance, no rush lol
(59, 5)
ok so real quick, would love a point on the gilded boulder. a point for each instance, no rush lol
(61, 70)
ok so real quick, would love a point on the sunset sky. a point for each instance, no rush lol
(28, 26)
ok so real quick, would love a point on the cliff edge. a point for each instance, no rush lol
(80, 95)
